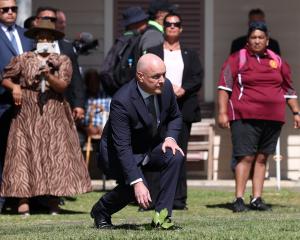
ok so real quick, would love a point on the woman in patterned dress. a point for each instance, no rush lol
(43, 156)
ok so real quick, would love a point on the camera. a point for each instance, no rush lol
(85, 43)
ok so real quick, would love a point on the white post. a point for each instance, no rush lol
(24, 10)
(277, 158)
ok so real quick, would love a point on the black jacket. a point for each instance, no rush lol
(127, 136)
(75, 93)
(191, 82)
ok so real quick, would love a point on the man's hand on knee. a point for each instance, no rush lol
(171, 143)
(142, 195)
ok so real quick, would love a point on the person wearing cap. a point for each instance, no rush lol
(12, 43)
(153, 35)
(254, 86)
(134, 19)
(43, 155)
(240, 42)
(119, 64)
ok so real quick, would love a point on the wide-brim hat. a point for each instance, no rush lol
(133, 15)
(42, 26)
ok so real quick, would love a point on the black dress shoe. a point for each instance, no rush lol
(101, 222)
(180, 207)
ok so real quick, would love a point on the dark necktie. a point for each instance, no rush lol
(152, 111)
(13, 39)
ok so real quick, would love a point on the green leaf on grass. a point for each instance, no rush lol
(163, 215)
(156, 218)
(167, 225)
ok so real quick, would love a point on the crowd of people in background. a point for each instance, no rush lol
(136, 110)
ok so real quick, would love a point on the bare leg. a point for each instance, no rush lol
(242, 172)
(23, 207)
(259, 174)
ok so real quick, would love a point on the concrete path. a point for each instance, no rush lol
(270, 183)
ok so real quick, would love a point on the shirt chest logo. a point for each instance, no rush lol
(273, 64)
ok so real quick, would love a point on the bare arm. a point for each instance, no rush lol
(15, 90)
(55, 83)
(223, 98)
(294, 106)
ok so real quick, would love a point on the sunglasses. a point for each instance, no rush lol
(14, 9)
(52, 19)
(175, 24)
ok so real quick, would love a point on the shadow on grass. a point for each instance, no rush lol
(35, 211)
(134, 227)
(37, 207)
(141, 227)
(229, 206)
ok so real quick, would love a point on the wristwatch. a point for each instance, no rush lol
(296, 113)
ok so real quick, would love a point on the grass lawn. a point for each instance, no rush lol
(208, 217)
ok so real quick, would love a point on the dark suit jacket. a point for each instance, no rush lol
(6, 53)
(191, 82)
(239, 43)
(127, 136)
(75, 93)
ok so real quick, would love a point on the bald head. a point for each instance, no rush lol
(150, 73)
(147, 61)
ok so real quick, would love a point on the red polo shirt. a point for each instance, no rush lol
(259, 89)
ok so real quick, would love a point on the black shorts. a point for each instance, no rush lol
(254, 136)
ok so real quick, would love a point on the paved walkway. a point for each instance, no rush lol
(109, 184)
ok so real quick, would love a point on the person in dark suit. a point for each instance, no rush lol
(75, 93)
(141, 134)
(240, 42)
(185, 72)
(12, 43)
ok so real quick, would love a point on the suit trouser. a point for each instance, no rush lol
(169, 166)
(181, 189)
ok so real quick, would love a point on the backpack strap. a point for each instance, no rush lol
(242, 58)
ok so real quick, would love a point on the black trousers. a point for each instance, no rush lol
(181, 189)
(167, 164)
(5, 120)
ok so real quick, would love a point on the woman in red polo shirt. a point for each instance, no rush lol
(254, 86)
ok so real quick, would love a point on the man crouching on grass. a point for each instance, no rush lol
(140, 135)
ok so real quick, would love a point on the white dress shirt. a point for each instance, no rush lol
(15, 33)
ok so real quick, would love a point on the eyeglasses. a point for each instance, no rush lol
(14, 9)
(52, 19)
(175, 24)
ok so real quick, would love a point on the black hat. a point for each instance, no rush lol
(159, 5)
(134, 15)
(44, 25)
(257, 25)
